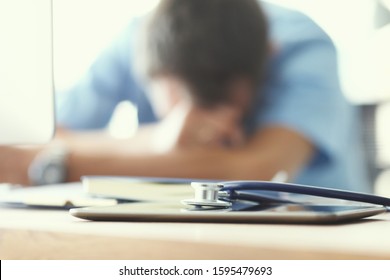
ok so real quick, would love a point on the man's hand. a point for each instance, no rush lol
(14, 164)
(190, 126)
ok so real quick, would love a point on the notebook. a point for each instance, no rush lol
(61, 196)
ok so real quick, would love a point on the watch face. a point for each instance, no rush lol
(49, 167)
(53, 174)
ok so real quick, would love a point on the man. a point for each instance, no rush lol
(216, 107)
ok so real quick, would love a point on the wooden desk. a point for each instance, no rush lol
(54, 234)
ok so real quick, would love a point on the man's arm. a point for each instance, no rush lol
(270, 150)
(175, 147)
(89, 104)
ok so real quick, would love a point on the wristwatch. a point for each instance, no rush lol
(49, 166)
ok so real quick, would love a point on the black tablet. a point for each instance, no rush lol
(276, 213)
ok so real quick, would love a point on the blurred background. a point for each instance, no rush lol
(360, 30)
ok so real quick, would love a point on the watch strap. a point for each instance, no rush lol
(49, 166)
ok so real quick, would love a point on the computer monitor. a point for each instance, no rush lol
(26, 72)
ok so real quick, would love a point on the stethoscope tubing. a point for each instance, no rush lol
(232, 187)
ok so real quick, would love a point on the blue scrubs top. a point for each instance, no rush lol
(301, 92)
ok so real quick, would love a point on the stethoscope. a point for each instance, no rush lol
(214, 195)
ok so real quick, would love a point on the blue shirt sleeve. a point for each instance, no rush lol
(110, 80)
(302, 92)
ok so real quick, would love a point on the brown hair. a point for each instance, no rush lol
(207, 43)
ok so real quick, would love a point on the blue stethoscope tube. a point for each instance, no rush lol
(233, 189)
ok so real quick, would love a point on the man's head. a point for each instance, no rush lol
(212, 46)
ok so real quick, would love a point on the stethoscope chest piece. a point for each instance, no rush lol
(207, 195)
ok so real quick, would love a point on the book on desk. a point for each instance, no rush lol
(137, 188)
(95, 191)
